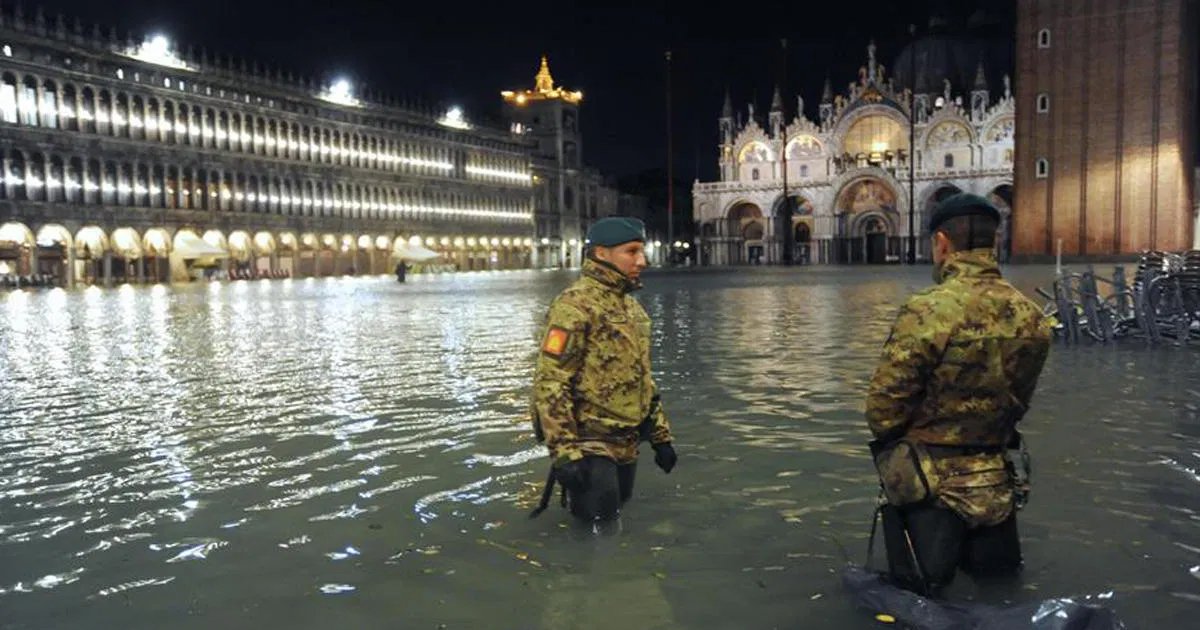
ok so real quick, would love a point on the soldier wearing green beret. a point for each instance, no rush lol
(594, 398)
(957, 373)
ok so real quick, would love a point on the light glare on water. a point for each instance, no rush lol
(353, 452)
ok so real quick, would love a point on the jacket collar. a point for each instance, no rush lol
(973, 263)
(608, 276)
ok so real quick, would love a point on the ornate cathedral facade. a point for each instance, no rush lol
(850, 174)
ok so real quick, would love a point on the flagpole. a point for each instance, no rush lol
(787, 201)
(670, 172)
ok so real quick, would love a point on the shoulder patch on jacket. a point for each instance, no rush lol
(555, 343)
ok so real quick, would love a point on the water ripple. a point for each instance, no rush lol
(276, 442)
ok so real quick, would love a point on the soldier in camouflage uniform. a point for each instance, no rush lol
(592, 388)
(956, 375)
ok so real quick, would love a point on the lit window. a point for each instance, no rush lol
(1044, 38)
(1043, 103)
(182, 86)
(120, 73)
(7, 50)
(8, 103)
(1043, 168)
(166, 82)
(939, 102)
(948, 161)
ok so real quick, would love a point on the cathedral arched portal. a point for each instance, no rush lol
(745, 222)
(867, 223)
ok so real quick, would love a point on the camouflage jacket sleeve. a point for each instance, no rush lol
(913, 349)
(1029, 360)
(560, 358)
(660, 431)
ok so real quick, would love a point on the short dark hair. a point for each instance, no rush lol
(970, 231)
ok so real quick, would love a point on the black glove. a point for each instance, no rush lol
(664, 456)
(572, 475)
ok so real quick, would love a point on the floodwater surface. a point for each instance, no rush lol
(343, 453)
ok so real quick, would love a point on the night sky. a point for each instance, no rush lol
(466, 52)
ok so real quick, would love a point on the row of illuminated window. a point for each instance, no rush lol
(46, 104)
(76, 180)
(219, 92)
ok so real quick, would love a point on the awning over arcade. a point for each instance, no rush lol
(415, 253)
(188, 245)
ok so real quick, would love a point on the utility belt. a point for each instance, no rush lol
(622, 437)
(909, 472)
(633, 435)
(938, 451)
(640, 432)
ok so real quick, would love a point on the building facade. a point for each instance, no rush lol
(848, 172)
(127, 162)
(1107, 126)
(568, 196)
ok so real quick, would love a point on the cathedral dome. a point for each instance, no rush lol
(938, 56)
(944, 52)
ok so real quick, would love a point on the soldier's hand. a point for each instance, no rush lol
(664, 456)
(572, 475)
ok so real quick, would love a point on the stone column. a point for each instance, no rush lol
(141, 270)
(107, 269)
(41, 100)
(70, 273)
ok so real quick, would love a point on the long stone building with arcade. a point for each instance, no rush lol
(848, 172)
(125, 161)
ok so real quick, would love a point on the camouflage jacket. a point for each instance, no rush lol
(592, 387)
(959, 370)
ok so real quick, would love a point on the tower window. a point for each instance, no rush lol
(754, 174)
(1043, 103)
(803, 170)
(1044, 38)
(948, 161)
(1043, 168)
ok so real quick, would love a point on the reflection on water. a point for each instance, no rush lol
(350, 452)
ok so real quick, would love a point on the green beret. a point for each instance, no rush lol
(613, 231)
(962, 205)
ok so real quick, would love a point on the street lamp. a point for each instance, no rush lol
(912, 142)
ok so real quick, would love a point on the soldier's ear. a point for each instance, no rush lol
(942, 243)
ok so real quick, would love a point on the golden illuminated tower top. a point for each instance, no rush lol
(543, 89)
(543, 82)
